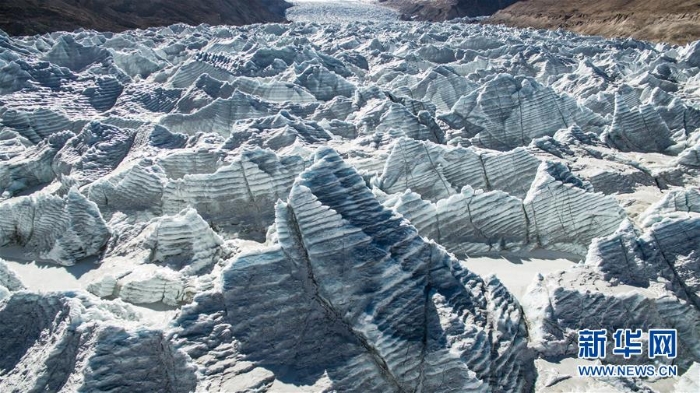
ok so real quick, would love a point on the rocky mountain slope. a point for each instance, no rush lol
(441, 10)
(676, 21)
(322, 207)
(26, 17)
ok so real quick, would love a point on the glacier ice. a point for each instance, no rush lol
(239, 195)
(9, 282)
(55, 341)
(542, 204)
(508, 112)
(60, 229)
(357, 279)
(296, 206)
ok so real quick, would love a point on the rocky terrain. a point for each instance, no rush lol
(676, 21)
(442, 10)
(371, 206)
(27, 17)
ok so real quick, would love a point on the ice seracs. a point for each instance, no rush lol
(60, 229)
(563, 215)
(94, 152)
(159, 261)
(304, 206)
(31, 167)
(131, 188)
(9, 282)
(641, 130)
(373, 289)
(239, 195)
(541, 204)
(508, 112)
(77, 342)
(436, 171)
(644, 278)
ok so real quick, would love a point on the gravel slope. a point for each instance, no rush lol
(27, 17)
(441, 10)
(667, 21)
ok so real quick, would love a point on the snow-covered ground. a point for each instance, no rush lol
(44, 278)
(518, 271)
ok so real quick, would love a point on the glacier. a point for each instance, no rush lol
(319, 206)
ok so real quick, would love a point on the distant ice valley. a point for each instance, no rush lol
(339, 11)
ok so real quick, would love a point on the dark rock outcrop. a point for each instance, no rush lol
(27, 17)
(442, 10)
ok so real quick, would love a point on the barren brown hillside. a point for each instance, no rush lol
(27, 17)
(675, 21)
(440, 10)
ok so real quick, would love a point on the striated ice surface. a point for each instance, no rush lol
(339, 11)
(305, 206)
(9, 282)
(541, 204)
(52, 341)
(508, 112)
(357, 279)
(60, 229)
